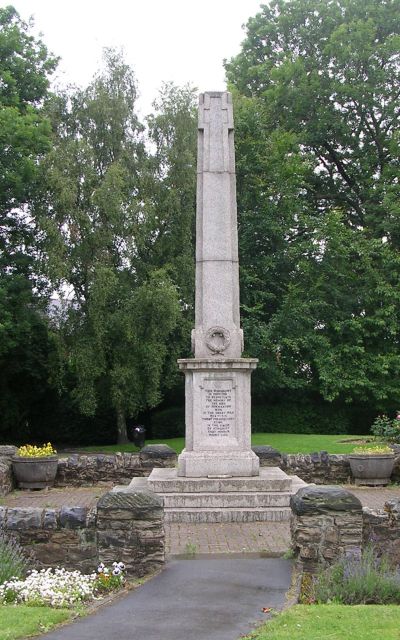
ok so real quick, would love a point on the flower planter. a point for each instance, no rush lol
(35, 473)
(372, 470)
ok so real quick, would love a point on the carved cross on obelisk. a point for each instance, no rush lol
(218, 425)
(217, 262)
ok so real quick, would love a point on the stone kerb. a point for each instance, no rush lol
(326, 522)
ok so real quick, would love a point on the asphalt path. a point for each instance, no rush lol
(212, 599)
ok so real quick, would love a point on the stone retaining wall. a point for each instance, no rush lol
(81, 470)
(319, 467)
(124, 527)
(328, 521)
(383, 530)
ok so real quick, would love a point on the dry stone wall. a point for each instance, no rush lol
(382, 530)
(86, 470)
(326, 522)
(124, 527)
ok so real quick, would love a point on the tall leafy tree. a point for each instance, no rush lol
(25, 137)
(121, 314)
(170, 195)
(320, 83)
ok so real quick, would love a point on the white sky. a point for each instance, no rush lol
(178, 40)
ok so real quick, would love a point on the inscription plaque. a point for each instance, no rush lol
(218, 408)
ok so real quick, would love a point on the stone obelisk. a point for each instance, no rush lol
(217, 379)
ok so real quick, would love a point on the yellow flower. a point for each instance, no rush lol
(32, 451)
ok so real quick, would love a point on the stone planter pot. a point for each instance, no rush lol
(35, 473)
(372, 470)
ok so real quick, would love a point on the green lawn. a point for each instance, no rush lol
(21, 621)
(333, 622)
(284, 442)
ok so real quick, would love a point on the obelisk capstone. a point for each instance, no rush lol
(217, 379)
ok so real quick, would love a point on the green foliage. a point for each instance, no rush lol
(24, 131)
(332, 621)
(298, 418)
(359, 580)
(25, 355)
(316, 93)
(24, 621)
(13, 561)
(386, 429)
(168, 423)
(25, 135)
(117, 223)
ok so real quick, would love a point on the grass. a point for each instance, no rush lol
(332, 622)
(284, 442)
(22, 621)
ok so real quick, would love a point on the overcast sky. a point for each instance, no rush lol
(179, 40)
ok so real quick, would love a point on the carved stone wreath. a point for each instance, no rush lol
(217, 339)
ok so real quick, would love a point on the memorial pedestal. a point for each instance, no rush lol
(218, 418)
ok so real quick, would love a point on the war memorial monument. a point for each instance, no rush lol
(218, 478)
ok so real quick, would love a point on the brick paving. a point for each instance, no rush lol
(56, 498)
(269, 538)
(374, 497)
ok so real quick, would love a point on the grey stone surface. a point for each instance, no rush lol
(87, 470)
(157, 455)
(326, 522)
(7, 481)
(218, 599)
(217, 264)
(268, 456)
(313, 499)
(23, 518)
(8, 450)
(247, 499)
(130, 528)
(73, 517)
(382, 530)
(217, 380)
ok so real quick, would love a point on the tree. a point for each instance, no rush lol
(170, 195)
(320, 80)
(25, 132)
(25, 136)
(93, 214)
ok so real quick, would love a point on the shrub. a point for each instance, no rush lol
(13, 561)
(387, 429)
(359, 579)
(168, 423)
(298, 418)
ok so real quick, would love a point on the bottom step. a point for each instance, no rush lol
(227, 515)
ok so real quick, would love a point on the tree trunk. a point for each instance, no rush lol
(121, 426)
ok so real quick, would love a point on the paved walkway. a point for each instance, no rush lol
(269, 538)
(218, 599)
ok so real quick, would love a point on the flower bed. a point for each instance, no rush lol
(61, 588)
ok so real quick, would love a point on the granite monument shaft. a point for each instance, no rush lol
(217, 390)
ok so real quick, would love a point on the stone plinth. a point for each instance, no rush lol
(265, 497)
(218, 420)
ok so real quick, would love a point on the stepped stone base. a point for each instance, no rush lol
(227, 499)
